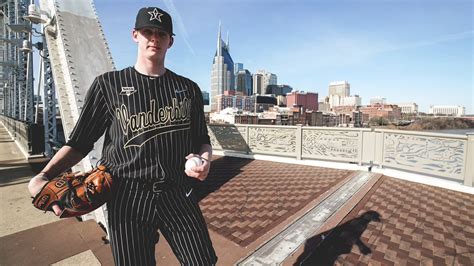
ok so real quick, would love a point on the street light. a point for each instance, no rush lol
(35, 15)
(27, 46)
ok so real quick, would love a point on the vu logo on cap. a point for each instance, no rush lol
(154, 17)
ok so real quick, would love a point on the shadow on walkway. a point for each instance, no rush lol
(14, 172)
(325, 248)
(223, 169)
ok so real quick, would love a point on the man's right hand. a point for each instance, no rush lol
(35, 186)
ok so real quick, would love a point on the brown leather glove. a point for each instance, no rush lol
(76, 194)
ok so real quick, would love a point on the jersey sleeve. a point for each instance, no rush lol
(93, 121)
(198, 121)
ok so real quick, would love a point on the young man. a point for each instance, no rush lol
(153, 121)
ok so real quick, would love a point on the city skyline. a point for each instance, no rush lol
(404, 51)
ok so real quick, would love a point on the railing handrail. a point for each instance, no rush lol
(429, 153)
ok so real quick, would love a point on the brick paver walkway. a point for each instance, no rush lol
(254, 196)
(401, 223)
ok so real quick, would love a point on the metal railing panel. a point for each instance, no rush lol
(272, 140)
(428, 153)
(229, 137)
(332, 144)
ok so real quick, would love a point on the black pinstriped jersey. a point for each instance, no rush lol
(150, 124)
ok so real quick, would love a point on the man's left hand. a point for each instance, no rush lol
(199, 172)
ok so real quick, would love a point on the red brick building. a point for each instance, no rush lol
(307, 100)
(389, 111)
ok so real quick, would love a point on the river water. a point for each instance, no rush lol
(453, 131)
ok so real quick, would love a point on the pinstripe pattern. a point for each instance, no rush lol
(150, 125)
(136, 213)
(170, 103)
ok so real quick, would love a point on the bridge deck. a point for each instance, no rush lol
(249, 202)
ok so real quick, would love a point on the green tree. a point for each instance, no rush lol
(378, 121)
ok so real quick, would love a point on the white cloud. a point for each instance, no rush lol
(178, 21)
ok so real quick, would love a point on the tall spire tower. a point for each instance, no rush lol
(219, 41)
(222, 75)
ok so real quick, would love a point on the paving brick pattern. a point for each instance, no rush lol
(243, 199)
(420, 225)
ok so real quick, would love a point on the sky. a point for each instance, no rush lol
(403, 50)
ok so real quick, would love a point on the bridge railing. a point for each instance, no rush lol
(441, 155)
(28, 135)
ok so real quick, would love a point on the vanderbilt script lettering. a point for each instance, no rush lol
(167, 115)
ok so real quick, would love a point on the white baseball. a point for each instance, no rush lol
(191, 162)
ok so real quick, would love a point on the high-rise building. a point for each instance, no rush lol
(257, 83)
(205, 97)
(261, 79)
(337, 91)
(243, 82)
(238, 67)
(222, 76)
(341, 88)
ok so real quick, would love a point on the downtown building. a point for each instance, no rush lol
(408, 108)
(340, 95)
(448, 110)
(222, 75)
(253, 103)
(243, 82)
(337, 91)
(391, 112)
(302, 100)
(261, 79)
(229, 99)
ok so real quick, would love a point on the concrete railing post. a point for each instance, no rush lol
(469, 162)
(299, 142)
(247, 139)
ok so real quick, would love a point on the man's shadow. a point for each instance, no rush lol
(325, 248)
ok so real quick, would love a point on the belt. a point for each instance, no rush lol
(160, 186)
(156, 186)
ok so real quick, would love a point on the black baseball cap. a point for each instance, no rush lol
(154, 17)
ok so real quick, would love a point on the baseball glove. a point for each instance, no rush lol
(76, 195)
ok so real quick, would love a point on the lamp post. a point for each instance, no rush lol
(45, 81)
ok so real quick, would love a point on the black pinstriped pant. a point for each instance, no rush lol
(136, 213)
